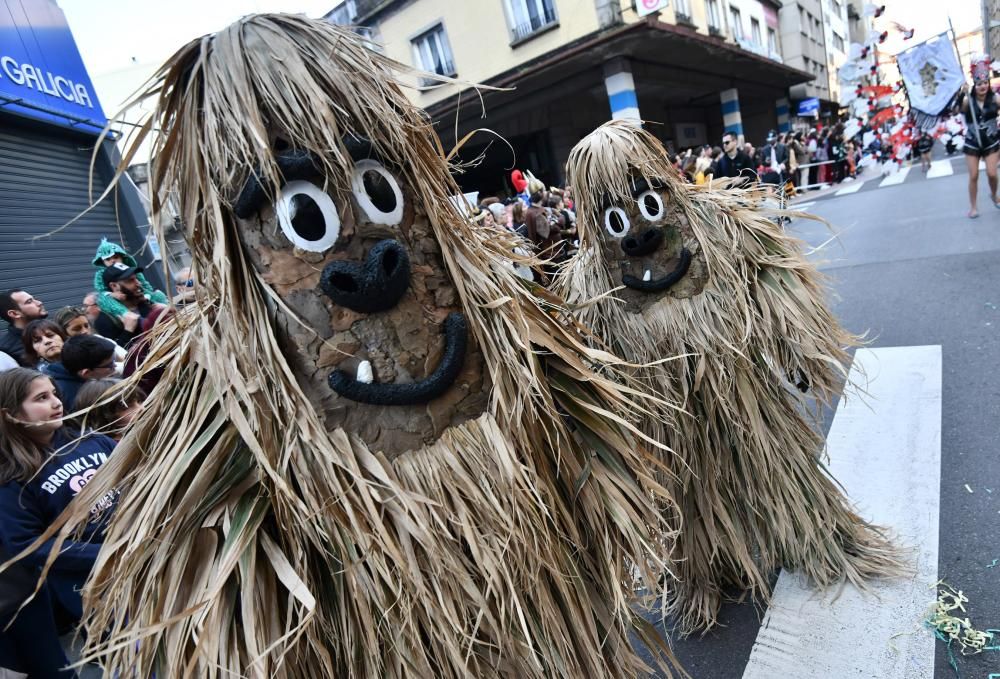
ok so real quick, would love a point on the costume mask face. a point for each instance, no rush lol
(649, 244)
(385, 351)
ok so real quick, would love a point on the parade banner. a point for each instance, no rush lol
(931, 73)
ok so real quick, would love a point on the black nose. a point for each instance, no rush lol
(643, 244)
(375, 285)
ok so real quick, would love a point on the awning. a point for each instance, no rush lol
(682, 65)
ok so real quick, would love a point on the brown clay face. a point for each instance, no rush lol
(375, 301)
(651, 248)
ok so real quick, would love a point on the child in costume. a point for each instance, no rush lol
(109, 253)
(374, 452)
(709, 278)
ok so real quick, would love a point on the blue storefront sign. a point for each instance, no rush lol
(41, 73)
(809, 107)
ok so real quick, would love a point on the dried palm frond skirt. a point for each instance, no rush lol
(747, 323)
(269, 525)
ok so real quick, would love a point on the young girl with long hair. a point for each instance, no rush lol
(43, 465)
(43, 342)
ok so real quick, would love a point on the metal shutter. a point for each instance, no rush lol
(43, 184)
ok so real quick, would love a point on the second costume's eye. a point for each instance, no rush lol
(651, 205)
(377, 192)
(308, 216)
(616, 222)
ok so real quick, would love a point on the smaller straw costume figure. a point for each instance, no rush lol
(710, 279)
(109, 253)
(374, 451)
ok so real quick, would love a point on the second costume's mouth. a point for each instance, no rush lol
(649, 284)
(363, 389)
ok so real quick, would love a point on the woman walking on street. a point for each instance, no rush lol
(981, 138)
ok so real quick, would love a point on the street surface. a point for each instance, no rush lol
(918, 452)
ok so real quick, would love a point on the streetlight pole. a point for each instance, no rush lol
(987, 20)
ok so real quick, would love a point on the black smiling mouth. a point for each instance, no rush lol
(660, 284)
(375, 285)
(415, 393)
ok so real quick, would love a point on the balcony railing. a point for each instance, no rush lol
(534, 25)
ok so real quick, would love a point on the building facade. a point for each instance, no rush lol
(560, 68)
(837, 38)
(804, 44)
(50, 122)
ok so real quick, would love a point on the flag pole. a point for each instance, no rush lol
(972, 96)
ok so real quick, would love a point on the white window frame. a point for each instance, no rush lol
(772, 41)
(431, 39)
(519, 16)
(838, 39)
(682, 7)
(714, 16)
(755, 35)
(736, 19)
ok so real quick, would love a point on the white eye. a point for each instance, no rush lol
(651, 206)
(307, 216)
(377, 192)
(616, 222)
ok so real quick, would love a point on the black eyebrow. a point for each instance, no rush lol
(296, 164)
(639, 187)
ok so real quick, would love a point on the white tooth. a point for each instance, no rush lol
(365, 372)
(646, 275)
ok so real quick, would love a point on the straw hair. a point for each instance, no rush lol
(249, 540)
(753, 493)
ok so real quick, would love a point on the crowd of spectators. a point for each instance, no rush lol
(63, 408)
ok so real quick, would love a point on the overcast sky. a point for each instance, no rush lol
(110, 33)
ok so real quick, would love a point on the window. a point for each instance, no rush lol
(682, 9)
(431, 52)
(838, 42)
(755, 32)
(343, 14)
(737, 23)
(714, 16)
(529, 16)
(772, 41)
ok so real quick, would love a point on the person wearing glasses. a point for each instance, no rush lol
(83, 358)
(184, 283)
(734, 161)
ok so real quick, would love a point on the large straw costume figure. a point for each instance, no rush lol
(354, 464)
(710, 279)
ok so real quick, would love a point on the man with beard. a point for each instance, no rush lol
(120, 277)
(18, 308)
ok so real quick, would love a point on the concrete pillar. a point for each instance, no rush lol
(621, 90)
(781, 108)
(732, 121)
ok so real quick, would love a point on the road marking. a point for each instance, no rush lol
(851, 188)
(897, 178)
(801, 206)
(940, 168)
(886, 451)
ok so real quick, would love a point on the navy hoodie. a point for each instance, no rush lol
(28, 509)
(68, 383)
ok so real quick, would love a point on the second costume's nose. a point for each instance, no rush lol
(644, 243)
(375, 285)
